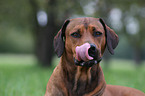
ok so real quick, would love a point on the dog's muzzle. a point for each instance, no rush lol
(87, 55)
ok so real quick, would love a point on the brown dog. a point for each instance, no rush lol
(81, 43)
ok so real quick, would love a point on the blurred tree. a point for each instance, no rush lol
(45, 17)
(44, 33)
(134, 32)
(15, 36)
(131, 24)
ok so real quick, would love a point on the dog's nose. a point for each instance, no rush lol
(92, 50)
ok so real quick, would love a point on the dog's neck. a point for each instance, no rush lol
(80, 80)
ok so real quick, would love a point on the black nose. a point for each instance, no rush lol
(92, 50)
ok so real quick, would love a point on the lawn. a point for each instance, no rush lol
(21, 76)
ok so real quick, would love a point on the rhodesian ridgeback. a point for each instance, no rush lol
(81, 43)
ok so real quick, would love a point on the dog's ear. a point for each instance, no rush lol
(59, 43)
(111, 37)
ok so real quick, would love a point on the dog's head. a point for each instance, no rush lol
(85, 39)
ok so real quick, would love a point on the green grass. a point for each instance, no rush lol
(125, 73)
(20, 76)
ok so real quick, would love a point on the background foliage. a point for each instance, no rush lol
(21, 31)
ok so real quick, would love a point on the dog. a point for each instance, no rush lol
(81, 43)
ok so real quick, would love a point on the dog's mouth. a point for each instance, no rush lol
(87, 55)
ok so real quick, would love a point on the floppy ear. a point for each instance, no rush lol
(111, 37)
(59, 43)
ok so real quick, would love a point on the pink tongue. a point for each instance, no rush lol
(82, 52)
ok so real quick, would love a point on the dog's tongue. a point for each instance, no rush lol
(82, 52)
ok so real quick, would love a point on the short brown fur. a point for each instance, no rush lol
(68, 79)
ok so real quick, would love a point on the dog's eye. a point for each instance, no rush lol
(76, 35)
(97, 34)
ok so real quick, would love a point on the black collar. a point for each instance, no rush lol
(88, 63)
